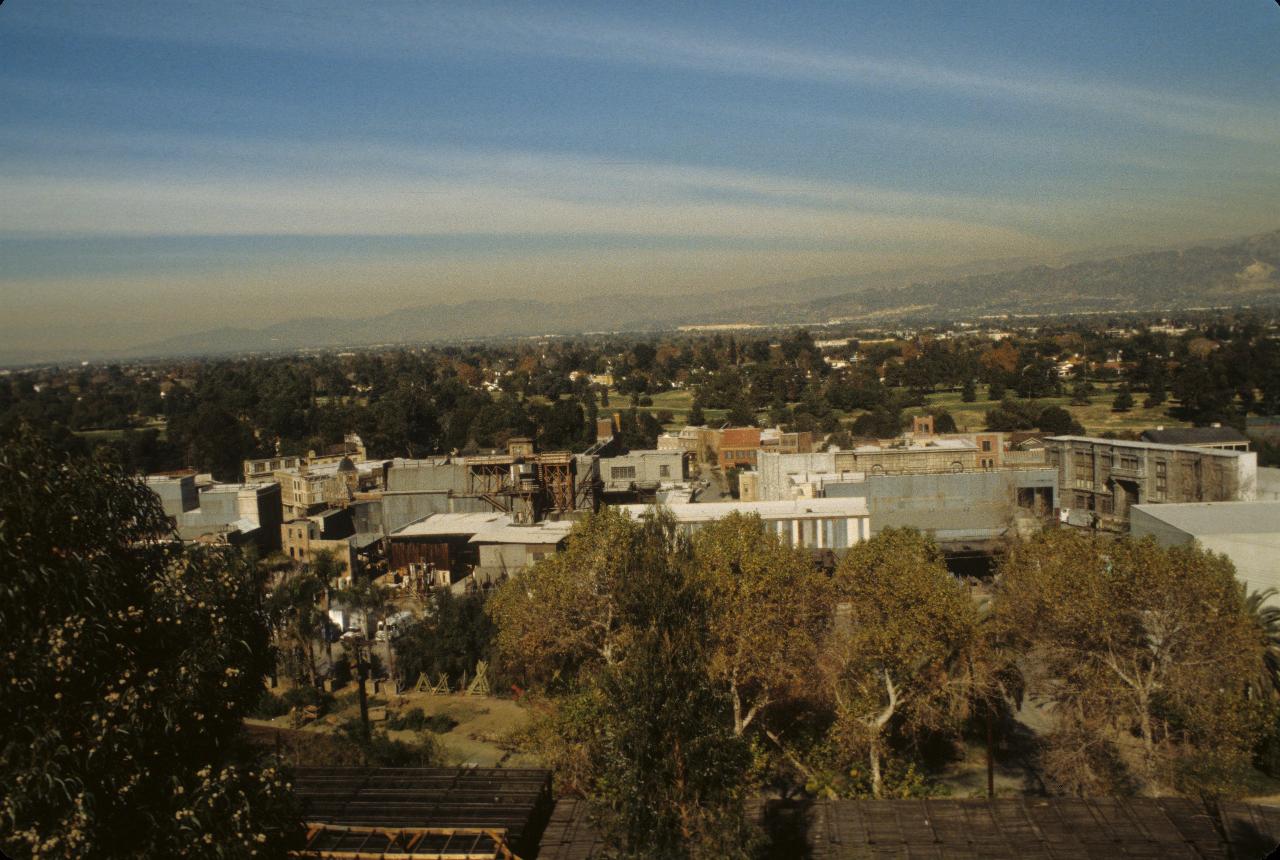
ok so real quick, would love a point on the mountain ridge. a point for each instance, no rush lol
(1244, 271)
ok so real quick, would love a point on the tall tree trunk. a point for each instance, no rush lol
(877, 781)
(1148, 736)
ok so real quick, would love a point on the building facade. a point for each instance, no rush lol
(1101, 479)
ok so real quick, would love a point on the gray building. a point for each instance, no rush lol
(237, 514)
(961, 509)
(1248, 533)
(1101, 479)
(419, 488)
(970, 509)
(177, 492)
(642, 469)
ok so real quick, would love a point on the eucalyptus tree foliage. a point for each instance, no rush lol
(897, 662)
(1131, 640)
(129, 663)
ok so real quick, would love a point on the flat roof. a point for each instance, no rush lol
(544, 532)
(1194, 435)
(452, 524)
(785, 510)
(1156, 446)
(1218, 518)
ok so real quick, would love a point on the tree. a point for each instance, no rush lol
(894, 666)
(1132, 638)
(641, 730)
(741, 414)
(1058, 422)
(767, 613)
(130, 663)
(696, 417)
(295, 608)
(969, 392)
(456, 635)
(561, 615)
(1265, 616)
(878, 424)
(943, 422)
(1123, 401)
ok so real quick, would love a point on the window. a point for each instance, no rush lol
(664, 471)
(1129, 464)
(986, 446)
(1084, 470)
(622, 473)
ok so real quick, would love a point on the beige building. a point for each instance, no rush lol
(1100, 479)
(300, 539)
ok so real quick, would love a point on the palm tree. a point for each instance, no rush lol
(1266, 617)
(297, 614)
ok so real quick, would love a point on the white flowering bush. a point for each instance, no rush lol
(128, 663)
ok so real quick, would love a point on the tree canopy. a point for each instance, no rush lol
(130, 663)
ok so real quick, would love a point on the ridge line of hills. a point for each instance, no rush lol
(1240, 272)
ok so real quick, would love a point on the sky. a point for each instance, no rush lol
(170, 167)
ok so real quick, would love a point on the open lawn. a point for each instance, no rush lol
(1097, 417)
(118, 433)
(478, 738)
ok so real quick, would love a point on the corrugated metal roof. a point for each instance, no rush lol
(452, 524)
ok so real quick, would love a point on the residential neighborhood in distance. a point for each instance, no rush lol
(573, 431)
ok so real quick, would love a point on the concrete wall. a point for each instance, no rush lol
(647, 465)
(1268, 484)
(177, 495)
(401, 508)
(968, 506)
(427, 476)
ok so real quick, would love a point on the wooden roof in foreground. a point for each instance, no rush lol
(943, 829)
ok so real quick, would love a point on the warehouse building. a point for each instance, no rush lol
(1248, 533)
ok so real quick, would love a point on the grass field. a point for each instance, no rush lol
(1097, 417)
(113, 435)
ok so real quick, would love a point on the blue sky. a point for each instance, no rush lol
(173, 166)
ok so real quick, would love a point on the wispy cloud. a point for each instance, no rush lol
(409, 29)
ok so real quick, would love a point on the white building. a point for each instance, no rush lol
(1248, 533)
(809, 523)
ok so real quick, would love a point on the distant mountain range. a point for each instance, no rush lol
(1242, 272)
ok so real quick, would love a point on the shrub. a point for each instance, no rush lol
(269, 706)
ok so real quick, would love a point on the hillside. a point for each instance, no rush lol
(1244, 272)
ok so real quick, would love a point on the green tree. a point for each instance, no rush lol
(130, 662)
(647, 736)
(1058, 422)
(1123, 401)
(1132, 639)
(561, 616)
(696, 416)
(895, 665)
(296, 609)
(456, 634)
(768, 609)
(969, 392)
